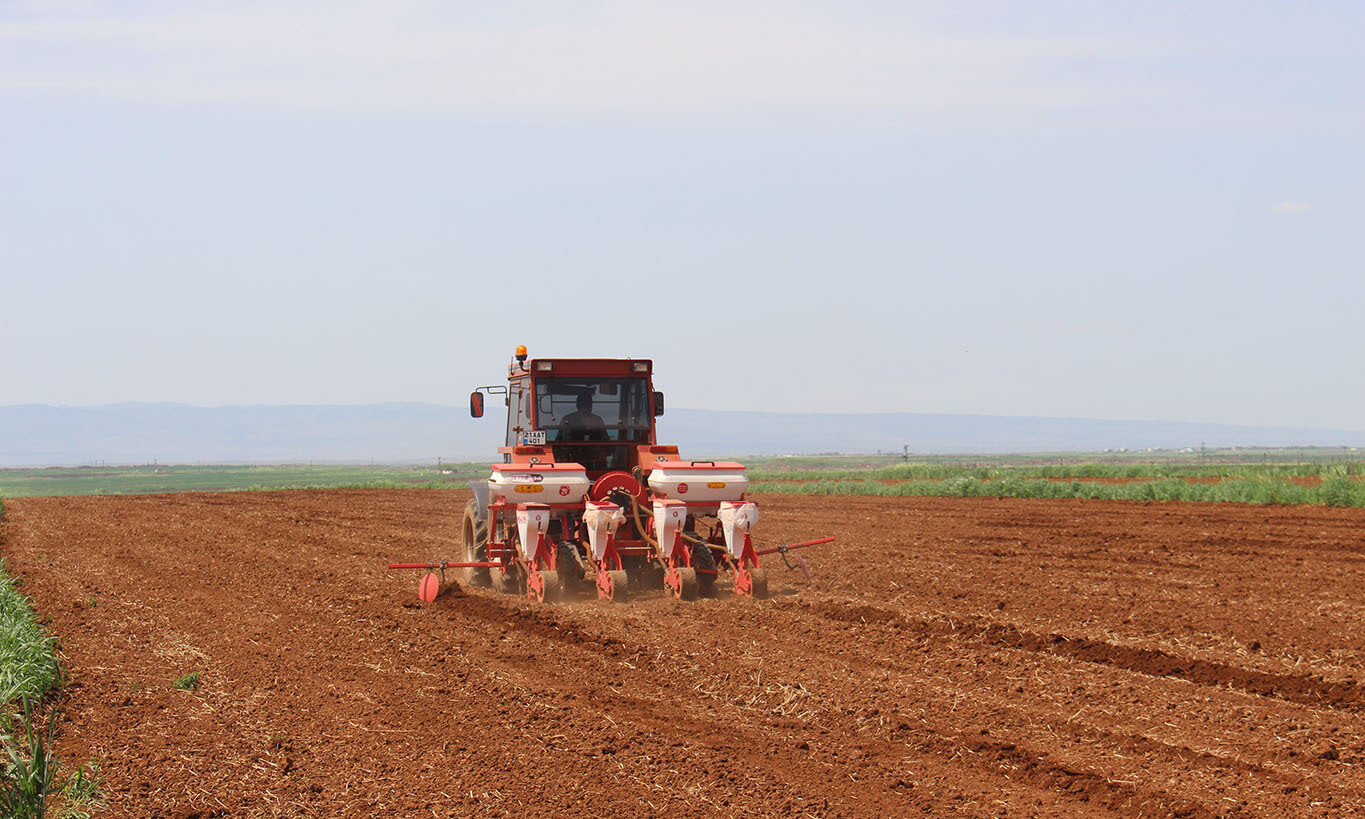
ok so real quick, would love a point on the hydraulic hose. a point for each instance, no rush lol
(639, 524)
(644, 532)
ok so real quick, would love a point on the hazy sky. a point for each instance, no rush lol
(1145, 210)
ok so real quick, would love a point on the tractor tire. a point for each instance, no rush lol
(570, 568)
(474, 538)
(704, 561)
(645, 575)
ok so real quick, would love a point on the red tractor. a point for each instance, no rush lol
(586, 496)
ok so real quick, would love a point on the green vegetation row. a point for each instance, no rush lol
(1247, 456)
(28, 665)
(1223, 465)
(1149, 471)
(1336, 490)
(146, 479)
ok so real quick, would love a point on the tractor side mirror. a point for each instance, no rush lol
(658, 403)
(476, 404)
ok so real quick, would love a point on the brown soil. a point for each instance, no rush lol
(974, 657)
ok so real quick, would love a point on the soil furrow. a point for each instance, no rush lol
(1306, 690)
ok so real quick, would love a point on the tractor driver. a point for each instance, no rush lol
(583, 425)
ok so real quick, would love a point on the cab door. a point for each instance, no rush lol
(518, 410)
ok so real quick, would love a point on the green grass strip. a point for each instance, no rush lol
(765, 471)
(138, 480)
(28, 666)
(1335, 491)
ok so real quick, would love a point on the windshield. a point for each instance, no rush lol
(593, 409)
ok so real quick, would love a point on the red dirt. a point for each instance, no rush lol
(976, 657)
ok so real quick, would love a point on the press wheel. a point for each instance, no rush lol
(760, 583)
(614, 585)
(542, 586)
(682, 583)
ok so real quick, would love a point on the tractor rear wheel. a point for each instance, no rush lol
(645, 575)
(474, 538)
(570, 568)
(704, 561)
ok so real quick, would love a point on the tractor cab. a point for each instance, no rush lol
(597, 412)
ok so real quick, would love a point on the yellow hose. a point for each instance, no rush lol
(639, 524)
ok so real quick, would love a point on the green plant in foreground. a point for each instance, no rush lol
(189, 682)
(30, 769)
(82, 792)
(29, 781)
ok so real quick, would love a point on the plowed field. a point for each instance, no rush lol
(972, 657)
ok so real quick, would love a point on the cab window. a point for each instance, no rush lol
(593, 409)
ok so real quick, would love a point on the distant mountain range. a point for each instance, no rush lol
(41, 435)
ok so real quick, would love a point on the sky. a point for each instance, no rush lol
(1057, 208)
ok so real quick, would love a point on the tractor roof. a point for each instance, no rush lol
(584, 367)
